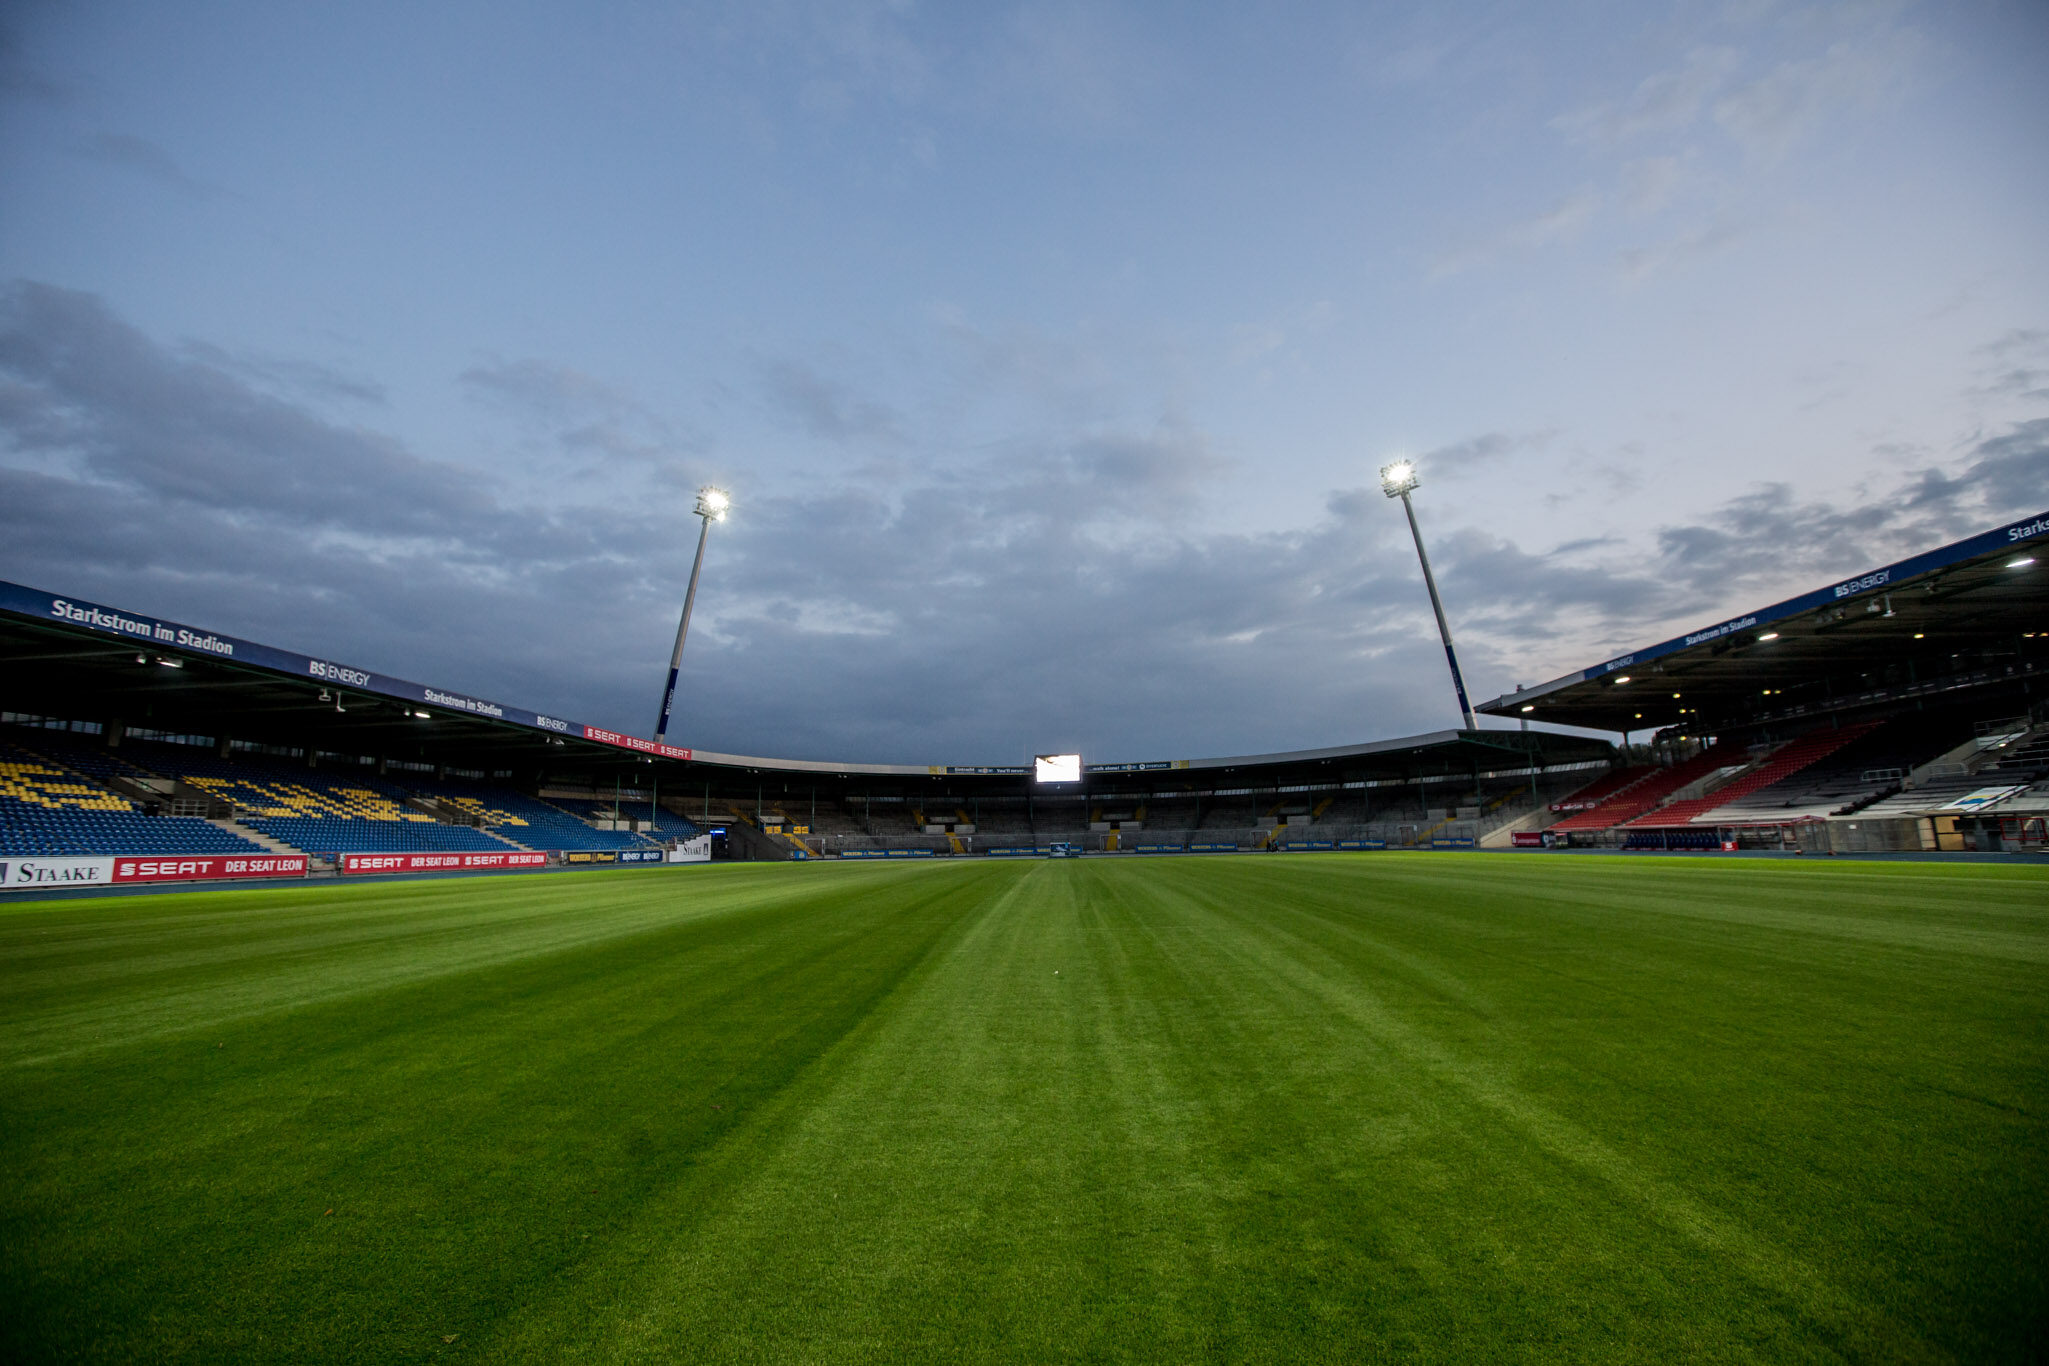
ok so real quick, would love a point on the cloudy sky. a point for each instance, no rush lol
(1048, 350)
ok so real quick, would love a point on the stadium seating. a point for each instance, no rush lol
(81, 754)
(315, 810)
(1602, 788)
(531, 822)
(1646, 792)
(1862, 772)
(1783, 762)
(47, 810)
(2024, 759)
(660, 823)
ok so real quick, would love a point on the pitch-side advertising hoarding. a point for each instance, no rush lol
(694, 850)
(206, 867)
(29, 874)
(437, 863)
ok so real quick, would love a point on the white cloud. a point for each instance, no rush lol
(1664, 102)
(1770, 114)
(1562, 222)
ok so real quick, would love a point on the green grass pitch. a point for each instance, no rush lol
(1342, 1108)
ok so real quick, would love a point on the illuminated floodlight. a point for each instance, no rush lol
(1398, 480)
(712, 505)
(1621, 678)
(1769, 635)
(1056, 768)
(1529, 706)
(2021, 562)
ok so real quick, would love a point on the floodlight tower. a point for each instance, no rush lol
(1399, 480)
(712, 506)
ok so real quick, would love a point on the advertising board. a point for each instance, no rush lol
(208, 867)
(28, 874)
(438, 863)
(591, 856)
(48, 874)
(696, 849)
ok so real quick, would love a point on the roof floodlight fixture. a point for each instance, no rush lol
(712, 506)
(1398, 480)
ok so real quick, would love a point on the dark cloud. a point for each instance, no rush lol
(87, 390)
(291, 377)
(1036, 597)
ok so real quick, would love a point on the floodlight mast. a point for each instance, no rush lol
(1399, 480)
(712, 506)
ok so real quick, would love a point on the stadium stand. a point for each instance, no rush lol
(314, 810)
(2016, 756)
(1646, 792)
(654, 822)
(48, 810)
(80, 756)
(530, 821)
(1780, 764)
(1603, 787)
(1868, 769)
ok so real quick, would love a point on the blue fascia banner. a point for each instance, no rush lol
(1877, 581)
(157, 635)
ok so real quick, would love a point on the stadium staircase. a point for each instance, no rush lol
(1780, 764)
(276, 846)
(781, 840)
(1277, 831)
(1645, 791)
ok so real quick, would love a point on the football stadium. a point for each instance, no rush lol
(474, 1030)
(852, 682)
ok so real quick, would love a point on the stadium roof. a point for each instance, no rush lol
(85, 661)
(1969, 614)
